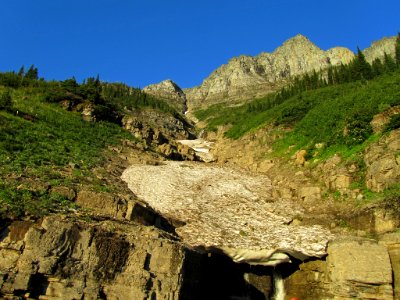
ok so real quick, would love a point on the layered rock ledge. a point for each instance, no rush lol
(220, 209)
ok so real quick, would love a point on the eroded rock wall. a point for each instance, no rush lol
(354, 269)
(66, 259)
(383, 162)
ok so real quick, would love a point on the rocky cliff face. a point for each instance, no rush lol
(379, 48)
(59, 258)
(160, 131)
(246, 77)
(169, 91)
(355, 268)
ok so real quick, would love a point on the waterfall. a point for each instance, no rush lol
(279, 286)
(201, 134)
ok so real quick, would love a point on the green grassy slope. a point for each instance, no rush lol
(335, 115)
(39, 141)
(44, 142)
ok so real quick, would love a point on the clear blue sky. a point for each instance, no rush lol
(147, 41)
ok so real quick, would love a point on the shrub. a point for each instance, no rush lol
(394, 123)
(359, 127)
(6, 101)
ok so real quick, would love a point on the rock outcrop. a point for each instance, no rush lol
(392, 242)
(380, 120)
(160, 131)
(379, 48)
(383, 162)
(58, 258)
(67, 258)
(201, 147)
(354, 269)
(353, 272)
(169, 91)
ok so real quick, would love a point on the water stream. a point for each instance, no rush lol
(279, 286)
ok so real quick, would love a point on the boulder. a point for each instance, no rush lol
(355, 268)
(310, 193)
(359, 269)
(301, 157)
(340, 182)
(392, 242)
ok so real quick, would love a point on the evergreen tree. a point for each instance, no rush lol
(32, 73)
(398, 49)
(389, 63)
(97, 81)
(21, 72)
(331, 80)
(91, 90)
(360, 68)
(70, 85)
(344, 73)
(377, 67)
(5, 101)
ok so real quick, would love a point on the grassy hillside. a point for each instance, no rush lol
(336, 115)
(45, 142)
(42, 144)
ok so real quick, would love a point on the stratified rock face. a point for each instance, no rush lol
(170, 91)
(246, 77)
(355, 268)
(156, 127)
(65, 259)
(227, 210)
(359, 269)
(379, 48)
(392, 242)
(383, 162)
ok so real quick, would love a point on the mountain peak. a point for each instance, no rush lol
(170, 91)
(298, 40)
(167, 84)
(299, 36)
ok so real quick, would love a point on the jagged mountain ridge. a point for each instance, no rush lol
(246, 77)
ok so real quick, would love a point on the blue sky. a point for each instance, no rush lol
(143, 42)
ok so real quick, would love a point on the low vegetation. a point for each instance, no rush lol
(41, 144)
(44, 141)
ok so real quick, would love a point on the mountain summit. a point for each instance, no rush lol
(246, 77)
(169, 91)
